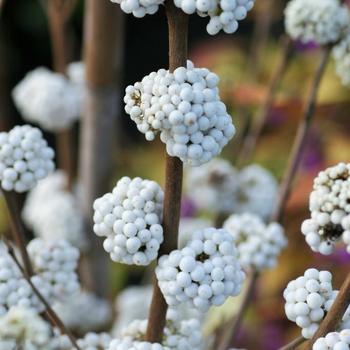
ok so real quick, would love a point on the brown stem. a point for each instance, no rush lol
(59, 12)
(295, 158)
(293, 344)
(178, 31)
(301, 137)
(334, 316)
(103, 37)
(51, 314)
(17, 229)
(263, 112)
(233, 329)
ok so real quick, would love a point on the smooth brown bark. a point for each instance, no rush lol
(178, 31)
(293, 344)
(102, 53)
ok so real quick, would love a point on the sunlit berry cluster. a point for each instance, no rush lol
(204, 273)
(330, 210)
(334, 341)
(258, 244)
(25, 158)
(130, 218)
(185, 108)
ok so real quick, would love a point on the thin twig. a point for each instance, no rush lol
(17, 229)
(301, 137)
(334, 315)
(178, 32)
(293, 344)
(295, 158)
(52, 316)
(263, 112)
(233, 329)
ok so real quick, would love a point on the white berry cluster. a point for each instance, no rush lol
(184, 335)
(22, 328)
(132, 304)
(41, 208)
(76, 312)
(224, 14)
(130, 218)
(47, 99)
(218, 187)
(129, 344)
(258, 244)
(213, 186)
(25, 158)
(139, 8)
(15, 290)
(185, 107)
(330, 210)
(257, 191)
(94, 341)
(334, 341)
(56, 263)
(204, 273)
(76, 75)
(309, 298)
(341, 56)
(188, 226)
(319, 21)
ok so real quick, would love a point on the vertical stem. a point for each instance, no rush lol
(263, 112)
(294, 161)
(293, 344)
(302, 133)
(178, 31)
(229, 336)
(61, 51)
(102, 53)
(17, 229)
(335, 314)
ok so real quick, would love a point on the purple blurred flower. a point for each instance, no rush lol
(188, 208)
(276, 117)
(313, 153)
(305, 47)
(271, 335)
(339, 257)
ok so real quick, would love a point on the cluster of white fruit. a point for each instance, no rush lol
(188, 226)
(23, 328)
(94, 341)
(129, 344)
(47, 99)
(42, 204)
(139, 8)
(15, 290)
(319, 21)
(224, 14)
(204, 273)
(56, 263)
(218, 187)
(25, 158)
(186, 109)
(130, 218)
(341, 55)
(185, 335)
(76, 312)
(330, 210)
(258, 244)
(308, 298)
(334, 341)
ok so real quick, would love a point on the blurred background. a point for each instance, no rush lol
(245, 62)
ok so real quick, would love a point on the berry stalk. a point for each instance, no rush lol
(262, 114)
(178, 32)
(59, 13)
(294, 344)
(334, 315)
(17, 229)
(286, 185)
